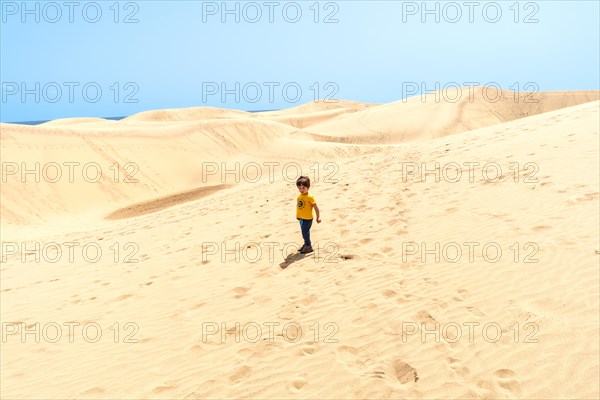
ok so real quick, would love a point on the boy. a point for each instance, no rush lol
(304, 206)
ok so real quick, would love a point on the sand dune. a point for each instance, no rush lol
(186, 114)
(77, 121)
(137, 161)
(306, 115)
(322, 106)
(101, 166)
(444, 113)
(189, 267)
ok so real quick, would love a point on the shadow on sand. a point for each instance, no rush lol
(292, 258)
(161, 203)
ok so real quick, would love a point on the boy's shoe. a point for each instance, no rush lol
(301, 248)
(306, 250)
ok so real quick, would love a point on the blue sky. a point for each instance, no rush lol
(115, 58)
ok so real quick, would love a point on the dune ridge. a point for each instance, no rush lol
(445, 113)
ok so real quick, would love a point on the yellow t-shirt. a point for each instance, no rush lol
(304, 206)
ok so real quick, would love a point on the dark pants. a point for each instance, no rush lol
(305, 225)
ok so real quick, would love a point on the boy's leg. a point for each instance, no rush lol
(301, 230)
(306, 224)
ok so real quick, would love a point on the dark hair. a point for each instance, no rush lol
(303, 181)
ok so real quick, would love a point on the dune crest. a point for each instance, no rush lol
(150, 206)
(444, 113)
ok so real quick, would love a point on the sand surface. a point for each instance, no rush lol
(480, 281)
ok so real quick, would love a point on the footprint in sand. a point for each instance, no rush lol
(348, 356)
(309, 300)
(296, 385)
(539, 228)
(362, 320)
(377, 373)
(395, 296)
(95, 391)
(455, 366)
(261, 348)
(240, 373)
(425, 317)
(584, 197)
(261, 300)
(387, 250)
(404, 372)
(440, 302)
(392, 222)
(461, 295)
(240, 292)
(475, 311)
(430, 281)
(506, 379)
(307, 349)
(163, 388)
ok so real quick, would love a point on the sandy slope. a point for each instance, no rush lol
(445, 113)
(362, 292)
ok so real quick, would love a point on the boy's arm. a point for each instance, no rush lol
(317, 212)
